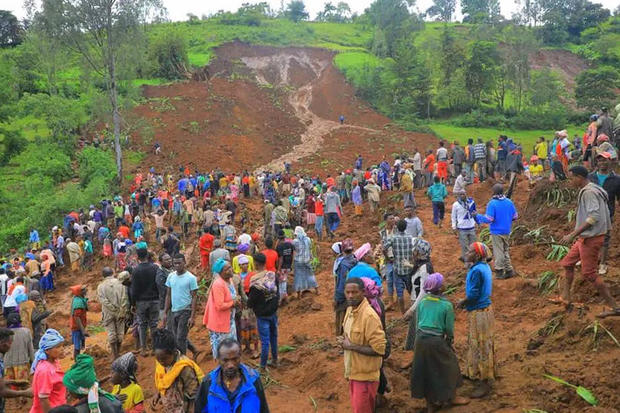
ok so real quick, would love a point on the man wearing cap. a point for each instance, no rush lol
(347, 262)
(592, 222)
(605, 177)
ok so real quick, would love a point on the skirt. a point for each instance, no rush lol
(304, 277)
(216, 338)
(480, 357)
(435, 373)
(248, 326)
(19, 373)
(310, 218)
(47, 282)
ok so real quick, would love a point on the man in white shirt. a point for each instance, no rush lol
(460, 183)
(417, 168)
(463, 222)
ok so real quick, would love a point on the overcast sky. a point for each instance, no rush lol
(178, 9)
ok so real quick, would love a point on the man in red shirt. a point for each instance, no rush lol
(271, 255)
(206, 245)
(124, 229)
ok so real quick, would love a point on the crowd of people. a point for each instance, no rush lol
(254, 262)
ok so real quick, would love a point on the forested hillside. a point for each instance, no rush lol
(65, 80)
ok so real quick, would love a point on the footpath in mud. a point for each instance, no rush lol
(264, 106)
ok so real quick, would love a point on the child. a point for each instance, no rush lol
(79, 308)
(125, 383)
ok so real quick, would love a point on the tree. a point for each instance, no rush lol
(443, 9)
(564, 19)
(394, 20)
(531, 11)
(480, 69)
(98, 30)
(597, 87)
(518, 44)
(337, 14)
(451, 61)
(296, 11)
(546, 87)
(412, 85)
(480, 11)
(10, 29)
(170, 54)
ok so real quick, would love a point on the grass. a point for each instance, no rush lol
(133, 158)
(151, 82)
(527, 138)
(30, 127)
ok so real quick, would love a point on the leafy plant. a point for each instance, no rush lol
(570, 215)
(551, 326)
(536, 235)
(557, 252)
(485, 236)
(547, 281)
(286, 348)
(595, 328)
(581, 391)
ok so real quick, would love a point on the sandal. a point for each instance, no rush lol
(611, 313)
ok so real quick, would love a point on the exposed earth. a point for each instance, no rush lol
(263, 106)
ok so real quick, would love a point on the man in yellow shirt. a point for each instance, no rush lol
(536, 170)
(364, 345)
(541, 149)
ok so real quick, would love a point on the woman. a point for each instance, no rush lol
(126, 386)
(219, 316)
(435, 374)
(481, 366)
(177, 377)
(21, 354)
(247, 330)
(422, 268)
(81, 382)
(47, 388)
(243, 250)
(304, 274)
(47, 279)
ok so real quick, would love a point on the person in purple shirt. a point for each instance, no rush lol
(500, 213)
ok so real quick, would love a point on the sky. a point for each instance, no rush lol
(178, 9)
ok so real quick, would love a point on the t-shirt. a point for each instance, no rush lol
(47, 381)
(442, 154)
(133, 393)
(272, 259)
(181, 287)
(536, 170)
(601, 178)
(285, 250)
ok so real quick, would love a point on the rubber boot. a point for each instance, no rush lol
(401, 305)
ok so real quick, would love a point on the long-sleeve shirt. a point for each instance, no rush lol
(356, 195)
(460, 183)
(499, 214)
(332, 203)
(113, 298)
(143, 282)
(478, 286)
(414, 227)
(437, 192)
(463, 213)
(34, 236)
(344, 266)
(363, 327)
(402, 246)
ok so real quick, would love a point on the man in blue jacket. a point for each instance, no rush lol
(500, 213)
(232, 387)
(347, 262)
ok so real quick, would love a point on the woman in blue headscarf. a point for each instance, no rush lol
(48, 390)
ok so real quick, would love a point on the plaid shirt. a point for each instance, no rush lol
(402, 247)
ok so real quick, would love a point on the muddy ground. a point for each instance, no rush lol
(266, 105)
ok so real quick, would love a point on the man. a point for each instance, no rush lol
(605, 177)
(180, 302)
(592, 222)
(219, 252)
(267, 211)
(414, 224)
(540, 149)
(114, 308)
(437, 193)
(347, 262)
(6, 392)
(502, 154)
(469, 160)
(406, 187)
(480, 157)
(500, 213)
(402, 248)
(170, 241)
(75, 253)
(285, 251)
(332, 211)
(271, 255)
(363, 350)
(460, 183)
(358, 162)
(417, 168)
(206, 245)
(458, 157)
(387, 271)
(280, 217)
(35, 242)
(165, 268)
(604, 124)
(463, 221)
(232, 386)
(373, 190)
(442, 162)
(145, 297)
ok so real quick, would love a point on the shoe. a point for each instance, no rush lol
(602, 269)
(499, 274)
(506, 275)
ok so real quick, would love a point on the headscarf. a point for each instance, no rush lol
(13, 320)
(78, 302)
(299, 232)
(265, 281)
(362, 251)
(347, 245)
(422, 248)
(483, 253)
(433, 282)
(218, 266)
(126, 365)
(243, 259)
(243, 248)
(372, 292)
(337, 248)
(81, 379)
(123, 276)
(50, 339)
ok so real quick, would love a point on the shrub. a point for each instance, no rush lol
(11, 142)
(169, 52)
(96, 164)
